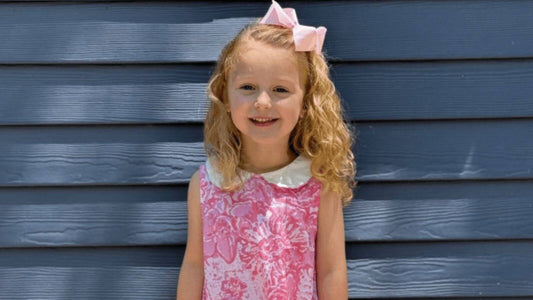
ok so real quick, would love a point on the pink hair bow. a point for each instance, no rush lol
(306, 38)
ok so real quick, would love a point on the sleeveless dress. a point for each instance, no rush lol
(259, 242)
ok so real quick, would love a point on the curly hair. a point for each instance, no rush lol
(321, 135)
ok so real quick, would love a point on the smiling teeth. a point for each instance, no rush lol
(262, 120)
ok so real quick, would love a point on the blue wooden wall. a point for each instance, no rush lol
(101, 108)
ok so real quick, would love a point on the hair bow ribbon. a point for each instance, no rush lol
(306, 38)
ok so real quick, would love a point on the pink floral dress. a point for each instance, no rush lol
(259, 242)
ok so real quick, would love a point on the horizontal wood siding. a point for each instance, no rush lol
(195, 31)
(166, 93)
(101, 110)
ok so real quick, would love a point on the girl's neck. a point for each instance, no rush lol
(267, 161)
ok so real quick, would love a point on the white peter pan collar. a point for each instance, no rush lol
(292, 175)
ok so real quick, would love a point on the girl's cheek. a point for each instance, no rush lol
(237, 98)
(240, 100)
(245, 99)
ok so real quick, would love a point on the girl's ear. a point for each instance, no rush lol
(302, 113)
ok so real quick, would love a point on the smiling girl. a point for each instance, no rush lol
(265, 210)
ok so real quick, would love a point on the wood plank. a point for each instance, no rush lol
(93, 194)
(88, 283)
(445, 190)
(105, 94)
(181, 31)
(365, 191)
(111, 94)
(109, 134)
(391, 278)
(441, 150)
(165, 223)
(430, 249)
(99, 163)
(114, 224)
(74, 257)
(483, 276)
(385, 151)
(435, 90)
(434, 220)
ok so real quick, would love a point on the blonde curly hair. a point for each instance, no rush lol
(321, 135)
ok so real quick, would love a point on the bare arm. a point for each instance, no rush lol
(332, 279)
(191, 276)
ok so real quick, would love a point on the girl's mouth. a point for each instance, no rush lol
(263, 122)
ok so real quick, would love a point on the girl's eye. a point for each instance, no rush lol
(246, 87)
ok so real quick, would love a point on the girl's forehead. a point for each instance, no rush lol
(255, 56)
(255, 49)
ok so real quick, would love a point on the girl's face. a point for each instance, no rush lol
(266, 84)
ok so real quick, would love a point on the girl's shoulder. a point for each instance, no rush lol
(293, 175)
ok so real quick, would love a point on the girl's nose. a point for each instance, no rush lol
(263, 101)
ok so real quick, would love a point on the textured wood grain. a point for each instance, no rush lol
(106, 194)
(439, 220)
(387, 151)
(165, 223)
(98, 163)
(390, 250)
(93, 224)
(88, 283)
(489, 190)
(186, 32)
(435, 89)
(92, 199)
(498, 149)
(102, 94)
(117, 94)
(391, 278)
(19, 136)
(483, 276)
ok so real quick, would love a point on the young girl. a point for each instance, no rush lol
(265, 210)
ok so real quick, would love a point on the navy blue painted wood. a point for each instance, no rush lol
(489, 190)
(165, 223)
(441, 277)
(113, 94)
(98, 163)
(436, 89)
(132, 272)
(101, 105)
(108, 134)
(176, 93)
(386, 151)
(367, 279)
(110, 224)
(187, 31)
(496, 149)
(439, 220)
(93, 194)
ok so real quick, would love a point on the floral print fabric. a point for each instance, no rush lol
(259, 242)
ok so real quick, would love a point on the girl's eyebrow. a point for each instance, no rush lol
(283, 79)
